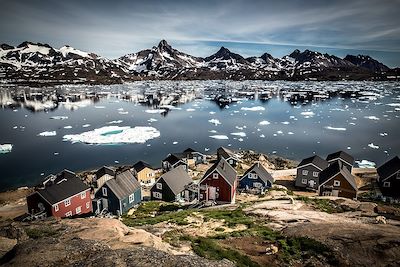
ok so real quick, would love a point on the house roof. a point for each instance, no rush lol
(123, 185)
(61, 186)
(105, 170)
(389, 168)
(335, 168)
(225, 169)
(140, 165)
(315, 160)
(341, 155)
(225, 152)
(176, 179)
(174, 157)
(261, 172)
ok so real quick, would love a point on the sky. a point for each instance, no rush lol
(250, 28)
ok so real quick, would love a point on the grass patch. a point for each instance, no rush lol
(36, 233)
(325, 205)
(231, 217)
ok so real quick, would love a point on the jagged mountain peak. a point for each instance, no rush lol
(367, 62)
(163, 44)
(6, 46)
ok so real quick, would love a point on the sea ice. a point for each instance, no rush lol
(307, 114)
(264, 123)
(115, 122)
(5, 148)
(371, 118)
(86, 125)
(215, 122)
(285, 122)
(100, 107)
(68, 127)
(175, 143)
(190, 109)
(48, 133)
(365, 163)
(257, 108)
(59, 117)
(123, 112)
(371, 145)
(212, 112)
(242, 134)
(155, 111)
(220, 137)
(152, 120)
(335, 128)
(114, 135)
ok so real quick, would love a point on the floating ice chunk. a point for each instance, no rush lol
(59, 117)
(393, 104)
(242, 134)
(371, 118)
(115, 122)
(285, 122)
(56, 153)
(335, 128)
(206, 149)
(212, 112)
(48, 133)
(307, 114)
(152, 120)
(114, 135)
(383, 134)
(212, 131)
(120, 109)
(68, 127)
(349, 147)
(123, 112)
(169, 107)
(190, 109)
(215, 122)
(365, 163)
(100, 107)
(86, 125)
(262, 135)
(257, 108)
(290, 133)
(220, 137)
(264, 123)
(155, 111)
(371, 145)
(175, 143)
(240, 139)
(5, 148)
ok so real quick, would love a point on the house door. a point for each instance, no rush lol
(187, 198)
(311, 183)
(212, 193)
(104, 204)
(335, 193)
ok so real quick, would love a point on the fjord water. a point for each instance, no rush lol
(292, 131)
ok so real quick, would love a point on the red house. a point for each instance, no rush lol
(219, 183)
(61, 195)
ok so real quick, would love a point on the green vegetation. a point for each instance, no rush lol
(325, 205)
(36, 233)
(230, 217)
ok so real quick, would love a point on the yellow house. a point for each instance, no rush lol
(145, 173)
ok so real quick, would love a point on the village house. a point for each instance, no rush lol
(145, 173)
(61, 195)
(118, 194)
(174, 160)
(172, 186)
(228, 155)
(194, 157)
(219, 183)
(336, 180)
(346, 159)
(389, 178)
(308, 172)
(103, 174)
(256, 178)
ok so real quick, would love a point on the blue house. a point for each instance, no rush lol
(118, 195)
(256, 177)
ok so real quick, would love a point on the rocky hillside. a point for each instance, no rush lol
(36, 63)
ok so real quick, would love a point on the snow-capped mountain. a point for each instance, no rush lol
(36, 63)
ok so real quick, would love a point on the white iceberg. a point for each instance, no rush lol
(307, 114)
(59, 117)
(371, 145)
(115, 122)
(215, 122)
(100, 107)
(155, 111)
(190, 109)
(220, 137)
(5, 148)
(68, 127)
(86, 125)
(175, 142)
(48, 133)
(241, 134)
(372, 118)
(285, 122)
(257, 108)
(152, 120)
(115, 135)
(365, 164)
(335, 128)
(264, 123)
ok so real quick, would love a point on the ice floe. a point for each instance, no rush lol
(155, 111)
(383, 134)
(114, 135)
(257, 108)
(123, 112)
(215, 122)
(220, 137)
(335, 128)
(241, 134)
(285, 122)
(264, 123)
(68, 127)
(59, 117)
(100, 107)
(175, 142)
(307, 114)
(371, 118)
(152, 120)
(115, 122)
(372, 145)
(365, 163)
(190, 109)
(86, 125)
(5, 148)
(48, 133)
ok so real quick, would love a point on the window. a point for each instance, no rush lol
(159, 186)
(386, 184)
(315, 174)
(131, 198)
(56, 207)
(336, 183)
(67, 202)
(83, 195)
(304, 181)
(78, 210)
(157, 195)
(304, 172)
(104, 190)
(231, 161)
(68, 214)
(87, 205)
(250, 175)
(215, 175)
(255, 176)
(201, 196)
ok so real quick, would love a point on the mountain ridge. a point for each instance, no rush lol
(37, 63)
